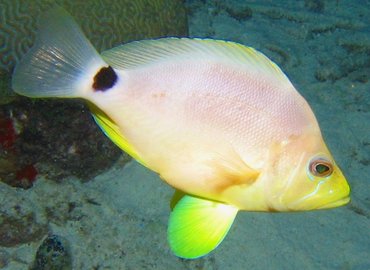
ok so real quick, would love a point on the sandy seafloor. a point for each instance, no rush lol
(119, 218)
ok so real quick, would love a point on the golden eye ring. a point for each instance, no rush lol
(321, 167)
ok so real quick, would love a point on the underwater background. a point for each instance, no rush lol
(69, 199)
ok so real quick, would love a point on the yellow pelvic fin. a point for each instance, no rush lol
(197, 226)
(111, 130)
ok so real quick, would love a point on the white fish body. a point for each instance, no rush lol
(216, 120)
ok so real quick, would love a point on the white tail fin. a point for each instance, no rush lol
(62, 62)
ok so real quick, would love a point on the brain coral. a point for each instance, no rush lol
(106, 23)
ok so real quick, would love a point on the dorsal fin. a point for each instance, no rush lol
(146, 52)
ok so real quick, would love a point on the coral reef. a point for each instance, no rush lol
(6, 94)
(118, 219)
(106, 25)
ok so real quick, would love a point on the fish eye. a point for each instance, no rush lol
(320, 167)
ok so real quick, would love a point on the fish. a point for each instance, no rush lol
(217, 120)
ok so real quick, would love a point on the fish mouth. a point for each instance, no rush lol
(337, 203)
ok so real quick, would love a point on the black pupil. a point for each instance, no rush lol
(321, 168)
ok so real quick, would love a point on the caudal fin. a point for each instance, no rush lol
(62, 62)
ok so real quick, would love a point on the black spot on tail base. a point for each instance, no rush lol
(104, 79)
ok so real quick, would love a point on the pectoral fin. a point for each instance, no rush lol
(197, 226)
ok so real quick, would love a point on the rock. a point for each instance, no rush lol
(53, 254)
(20, 230)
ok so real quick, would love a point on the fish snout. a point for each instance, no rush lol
(327, 194)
